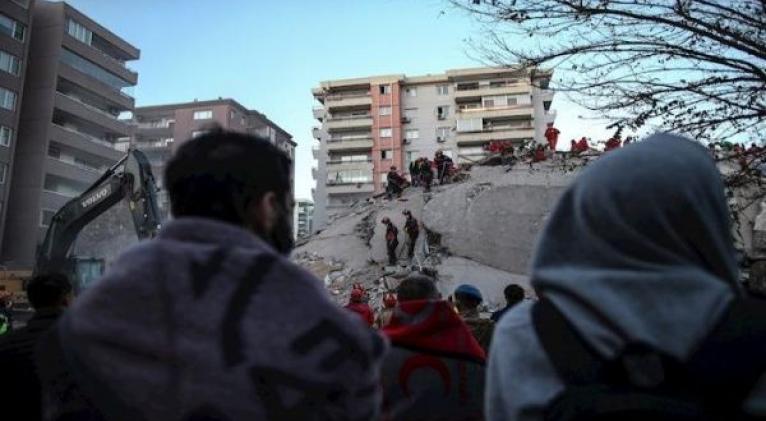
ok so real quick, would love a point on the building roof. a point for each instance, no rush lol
(211, 102)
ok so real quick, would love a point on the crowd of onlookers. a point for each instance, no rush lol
(640, 313)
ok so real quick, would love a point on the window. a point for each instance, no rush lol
(411, 92)
(386, 132)
(411, 134)
(3, 172)
(384, 154)
(442, 112)
(12, 28)
(7, 99)
(410, 156)
(6, 136)
(442, 133)
(91, 69)
(54, 152)
(385, 110)
(385, 89)
(442, 90)
(470, 125)
(46, 217)
(10, 63)
(79, 32)
(349, 176)
(203, 115)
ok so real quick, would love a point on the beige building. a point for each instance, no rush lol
(370, 124)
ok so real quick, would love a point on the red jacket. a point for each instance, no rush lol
(363, 310)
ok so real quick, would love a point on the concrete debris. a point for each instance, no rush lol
(483, 229)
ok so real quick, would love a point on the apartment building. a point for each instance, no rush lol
(158, 130)
(372, 123)
(304, 215)
(15, 20)
(77, 85)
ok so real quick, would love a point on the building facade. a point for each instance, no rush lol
(304, 216)
(77, 85)
(158, 130)
(372, 123)
(15, 22)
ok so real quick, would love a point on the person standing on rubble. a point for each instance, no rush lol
(392, 240)
(426, 174)
(394, 183)
(357, 304)
(443, 166)
(412, 229)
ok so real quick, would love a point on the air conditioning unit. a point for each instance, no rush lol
(406, 120)
(441, 139)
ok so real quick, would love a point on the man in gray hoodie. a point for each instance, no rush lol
(210, 320)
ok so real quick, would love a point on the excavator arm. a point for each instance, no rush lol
(130, 179)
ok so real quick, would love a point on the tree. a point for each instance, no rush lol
(697, 67)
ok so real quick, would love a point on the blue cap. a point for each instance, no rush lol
(469, 290)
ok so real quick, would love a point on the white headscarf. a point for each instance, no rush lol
(639, 250)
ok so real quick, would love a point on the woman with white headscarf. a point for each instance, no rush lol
(638, 251)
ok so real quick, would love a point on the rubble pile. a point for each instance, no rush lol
(482, 230)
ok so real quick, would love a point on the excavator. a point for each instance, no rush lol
(130, 179)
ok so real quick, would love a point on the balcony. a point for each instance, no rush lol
(97, 57)
(349, 144)
(73, 171)
(505, 133)
(315, 151)
(365, 165)
(319, 113)
(90, 83)
(349, 122)
(314, 173)
(84, 142)
(92, 114)
(348, 100)
(520, 88)
(318, 133)
(350, 188)
(523, 110)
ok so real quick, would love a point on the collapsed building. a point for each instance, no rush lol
(483, 229)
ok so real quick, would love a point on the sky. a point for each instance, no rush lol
(268, 54)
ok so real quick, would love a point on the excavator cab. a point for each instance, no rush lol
(129, 181)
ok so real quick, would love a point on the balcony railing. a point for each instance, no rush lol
(356, 161)
(349, 117)
(87, 136)
(81, 166)
(347, 183)
(496, 108)
(96, 109)
(348, 139)
(340, 97)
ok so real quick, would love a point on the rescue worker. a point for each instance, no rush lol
(552, 136)
(539, 154)
(356, 304)
(443, 166)
(612, 144)
(392, 240)
(426, 174)
(384, 317)
(412, 230)
(582, 145)
(394, 183)
(414, 172)
(467, 300)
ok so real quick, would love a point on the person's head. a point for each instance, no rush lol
(407, 213)
(642, 228)
(439, 153)
(514, 294)
(467, 297)
(385, 220)
(49, 291)
(417, 287)
(393, 168)
(389, 300)
(235, 178)
(550, 124)
(357, 295)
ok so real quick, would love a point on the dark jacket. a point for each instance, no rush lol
(19, 387)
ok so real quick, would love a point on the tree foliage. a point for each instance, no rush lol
(693, 66)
